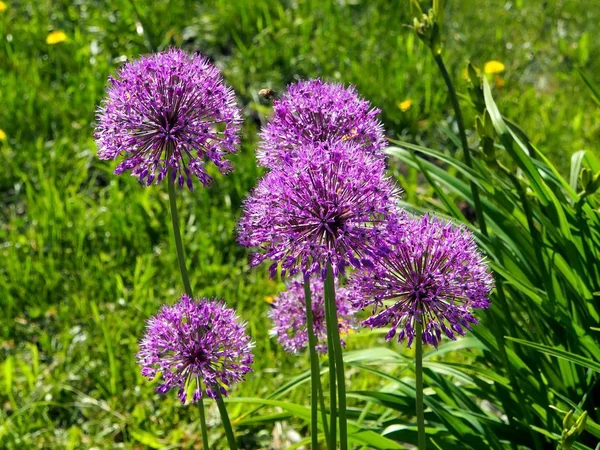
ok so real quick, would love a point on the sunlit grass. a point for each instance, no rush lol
(87, 257)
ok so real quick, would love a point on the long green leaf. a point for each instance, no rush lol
(559, 353)
(594, 92)
(356, 433)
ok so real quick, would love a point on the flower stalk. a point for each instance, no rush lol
(419, 386)
(177, 236)
(188, 290)
(314, 367)
(185, 279)
(203, 424)
(333, 329)
(330, 445)
(463, 138)
(225, 420)
(332, 373)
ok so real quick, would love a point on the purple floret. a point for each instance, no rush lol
(433, 273)
(329, 204)
(289, 315)
(314, 111)
(195, 344)
(168, 110)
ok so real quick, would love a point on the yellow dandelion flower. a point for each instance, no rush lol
(3, 6)
(56, 37)
(405, 105)
(493, 67)
(2, 135)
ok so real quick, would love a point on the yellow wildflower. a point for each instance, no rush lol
(3, 7)
(493, 67)
(55, 37)
(2, 135)
(405, 105)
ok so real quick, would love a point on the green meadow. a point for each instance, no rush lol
(86, 257)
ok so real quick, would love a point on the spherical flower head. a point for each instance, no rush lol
(330, 204)
(316, 111)
(195, 344)
(432, 273)
(168, 111)
(289, 315)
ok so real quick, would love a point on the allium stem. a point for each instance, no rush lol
(185, 278)
(203, 424)
(463, 139)
(177, 235)
(330, 445)
(337, 352)
(225, 420)
(332, 373)
(419, 377)
(314, 367)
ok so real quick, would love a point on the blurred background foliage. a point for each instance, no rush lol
(87, 256)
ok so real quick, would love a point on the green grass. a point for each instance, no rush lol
(86, 256)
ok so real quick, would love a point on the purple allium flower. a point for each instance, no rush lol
(433, 273)
(289, 315)
(168, 110)
(314, 111)
(328, 204)
(195, 342)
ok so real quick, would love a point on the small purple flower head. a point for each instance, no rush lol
(168, 110)
(195, 343)
(314, 111)
(432, 273)
(330, 204)
(289, 315)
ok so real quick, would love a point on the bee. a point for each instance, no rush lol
(353, 134)
(267, 93)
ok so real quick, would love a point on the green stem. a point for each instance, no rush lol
(225, 420)
(314, 367)
(330, 445)
(177, 235)
(419, 377)
(339, 358)
(203, 425)
(332, 372)
(475, 193)
(463, 139)
(186, 280)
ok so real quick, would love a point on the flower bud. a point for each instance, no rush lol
(427, 29)
(589, 183)
(572, 431)
(474, 88)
